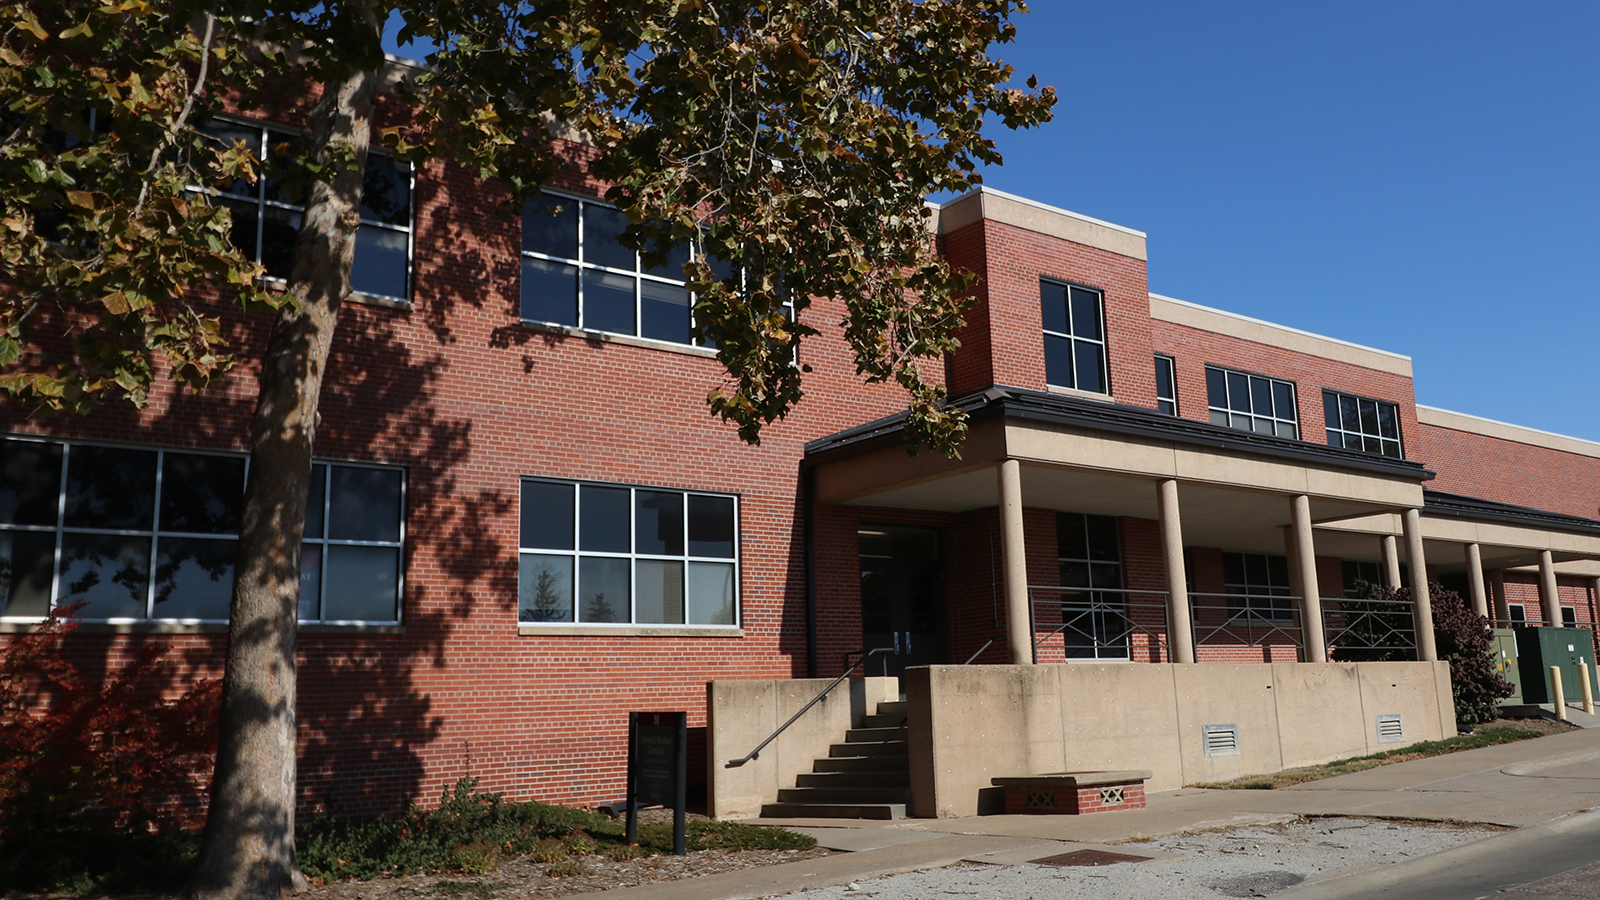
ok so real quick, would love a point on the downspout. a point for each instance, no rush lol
(808, 490)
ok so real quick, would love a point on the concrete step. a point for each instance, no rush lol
(885, 763)
(892, 708)
(900, 779)
(878, 748)
(881, 721)
(833, 811)
(826, 795)
(874, 735)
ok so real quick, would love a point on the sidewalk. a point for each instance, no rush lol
(1529, 783)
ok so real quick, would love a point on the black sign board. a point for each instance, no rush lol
(658, 769)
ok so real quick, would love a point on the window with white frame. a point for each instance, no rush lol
(1257, 585)
(266, 215)
(616, 555)
(1251, 402)
(1166, 385)
(1359, 423)
(138, 534)
(1074, 337)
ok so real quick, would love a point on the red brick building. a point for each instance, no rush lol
(526, 523)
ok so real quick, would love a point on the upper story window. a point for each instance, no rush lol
(1357, 423)
(1166, 385)
(607, 554)
(576, 272)
(1258, 585)
(140, 535)
(266, 215)
(1074, 337)
(1251, 402)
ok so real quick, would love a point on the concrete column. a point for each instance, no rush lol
(1014, 562)
(1475, 580)
(1549, 600)
(1497, 586)
(1305, 554)
(1180, 631)
(1391, 562)
(1421, 600)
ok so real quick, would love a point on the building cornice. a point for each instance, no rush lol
(1522, 434)
(986, 203)
(1221, 321)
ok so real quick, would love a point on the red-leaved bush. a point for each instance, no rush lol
(82, 755)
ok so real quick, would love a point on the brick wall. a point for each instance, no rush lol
(1492, 468)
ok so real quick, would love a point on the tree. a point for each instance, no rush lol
(794, 141)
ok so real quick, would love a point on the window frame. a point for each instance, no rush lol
(576, 554)
(1245, 598)
(1343, 434)
(263, 204)
(1097, 595)
(1227, 411)
(1162, 402)
(1072, 339)
(155, 534)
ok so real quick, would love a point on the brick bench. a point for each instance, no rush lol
(1074, 793)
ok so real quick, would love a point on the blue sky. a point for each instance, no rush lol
(1422, 177)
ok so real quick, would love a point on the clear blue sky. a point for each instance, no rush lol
(1422, 177)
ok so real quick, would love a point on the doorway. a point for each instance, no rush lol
(902, 596)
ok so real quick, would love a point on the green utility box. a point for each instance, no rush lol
(1505, 662)
(1540, 648)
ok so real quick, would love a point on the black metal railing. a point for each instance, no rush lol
(756, 753)
(1098, 623)
(1248, 619)
(1360, 629)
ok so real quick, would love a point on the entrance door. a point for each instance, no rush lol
(902, 596)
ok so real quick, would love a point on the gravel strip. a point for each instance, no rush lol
(1245, 862)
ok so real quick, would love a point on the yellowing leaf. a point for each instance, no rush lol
(81, 198)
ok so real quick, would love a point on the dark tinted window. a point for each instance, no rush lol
(202, 494)
(386, 191)
(109, 487)
(658, 522)
(711, 526)
(547, 515)
(30, 482)
(364, 504)
(602, 226)
(550, 225)
(604, 519)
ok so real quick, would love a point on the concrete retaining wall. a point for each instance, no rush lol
(741, 714)
(969, 724)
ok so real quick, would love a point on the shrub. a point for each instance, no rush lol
(96, 774)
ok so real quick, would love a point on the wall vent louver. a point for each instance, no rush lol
(1390, 729)
(1222, 740)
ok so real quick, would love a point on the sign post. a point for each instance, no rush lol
(658, 769)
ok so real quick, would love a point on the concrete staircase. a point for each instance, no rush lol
(866, 777)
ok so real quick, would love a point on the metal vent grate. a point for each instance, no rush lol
(1390, 729)
(1222, 740)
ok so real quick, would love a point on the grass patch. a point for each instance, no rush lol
(476, 890)
(1485, 738)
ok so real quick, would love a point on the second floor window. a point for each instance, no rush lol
(266, 215)
(1357, 423)
(1166, 386)
(1074, 337)
(1251, 402)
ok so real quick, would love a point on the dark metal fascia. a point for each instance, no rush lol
(1459, 506)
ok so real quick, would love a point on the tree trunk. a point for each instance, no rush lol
(248, 848)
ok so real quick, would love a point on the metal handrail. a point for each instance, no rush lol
(1158, 635)
(756, 753)
(986, 645)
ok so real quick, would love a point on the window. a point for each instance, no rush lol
(1166, 385)
(607, 554)
(1090, 557)
(266, 215)
(137, 534)
(1357, 423)
(1569, 617)
(1074, 339)
(1258, 585)
(1356, 573)
(1518, 613)
(1251, 402)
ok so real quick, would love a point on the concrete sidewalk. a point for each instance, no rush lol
(1528, 783)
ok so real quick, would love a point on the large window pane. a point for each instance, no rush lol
(710, 594)
(279, 228)
(202, 494)
(673, 266)
(1330, 410)
(1058, 361)
(660, 594)
(658, 523)
(1085, 314)
(608, 302)
(108, 572)
(30, 482)
(604, 584)
(546, 516)
(549, 292)
(362, 584)
(110, 487)
(550, 225)
(1053, 307)
(194, 578)
(604, 518)
(602, 225)
(380, 267)
(664, 311)
(1260, 396)
(710, 526)
(1238, 392)
(1216, 388)
(365, 504)
(544, 588)
(243, 217)
(310, 582)
(1090, 366)
(386, 191)
(1103, 538)
(1283, 400)
(1072, 537)
(27, 560)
